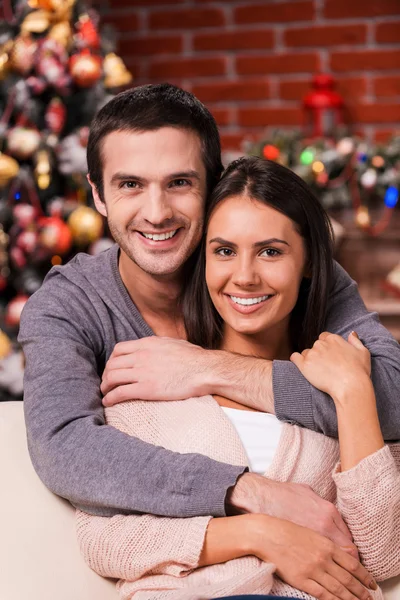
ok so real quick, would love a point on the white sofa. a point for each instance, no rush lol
(39, 555)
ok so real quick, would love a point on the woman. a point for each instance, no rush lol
(261, 286)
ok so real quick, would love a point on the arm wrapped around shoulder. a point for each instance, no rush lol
(368, 497)
(128, 547)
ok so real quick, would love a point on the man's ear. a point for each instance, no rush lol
(99, 204)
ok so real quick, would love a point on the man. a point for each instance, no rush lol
(153, 156)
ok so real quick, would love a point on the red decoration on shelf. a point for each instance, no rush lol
(323, 108)
(85, 68)
(87, 35)
(55, 115)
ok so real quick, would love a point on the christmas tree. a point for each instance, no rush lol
(56, 71)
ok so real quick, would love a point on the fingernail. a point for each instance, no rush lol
(373, 585)
(355, 334)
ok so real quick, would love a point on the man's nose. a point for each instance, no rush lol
(157, 209)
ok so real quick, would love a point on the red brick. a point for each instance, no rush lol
(364, 61)
(387, 86)
(383, 135)
(264, 117)
(122, 23)
(232, 141)
(388, 33)
(274, 13)
(187, 19)
(144, 46)
(349, 87)
(251, 89)
(140, 3)
(376, 113)
(235, 40)
(221, 115)
(278, 63)
(330, 35)
(187, 67)
(337, 9)
(135, 68)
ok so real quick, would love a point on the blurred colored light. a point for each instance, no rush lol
(307, 157)
(56, 260)
(391, 197)
(318, 166)
(378, 161)
(271, 152)
(17, 196)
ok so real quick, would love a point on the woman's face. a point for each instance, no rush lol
(255, 261)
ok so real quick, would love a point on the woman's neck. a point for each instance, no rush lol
(272, 344)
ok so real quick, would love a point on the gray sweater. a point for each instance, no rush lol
(68, 331)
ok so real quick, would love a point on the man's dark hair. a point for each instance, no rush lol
(148, 108)
(278, 187)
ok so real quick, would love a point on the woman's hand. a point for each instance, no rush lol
(333, 365)
(309, 561)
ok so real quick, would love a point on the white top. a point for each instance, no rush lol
(259, 433)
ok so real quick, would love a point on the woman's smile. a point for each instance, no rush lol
(248, 304)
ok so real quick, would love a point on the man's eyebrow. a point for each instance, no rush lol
(191, 174)
(256, 245)
(117, 177)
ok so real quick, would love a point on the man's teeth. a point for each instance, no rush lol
(248, 301)
(158, 237)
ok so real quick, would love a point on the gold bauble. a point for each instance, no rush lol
(86, 225)
(116, 73)
(8, 169)
(61, 33)
(362, 217)
(45, 4)
(23, 53)
(36, 22)
(5, 61)
(5, 345)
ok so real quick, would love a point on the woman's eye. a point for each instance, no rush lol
(227, 252)
(270, 252)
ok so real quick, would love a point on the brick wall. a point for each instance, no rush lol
(251, 61)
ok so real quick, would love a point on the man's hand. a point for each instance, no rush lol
(161, 368)
(155, 368)
(293, 502)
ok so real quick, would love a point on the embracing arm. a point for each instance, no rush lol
(77, 455)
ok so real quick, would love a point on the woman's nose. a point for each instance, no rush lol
(246, 274)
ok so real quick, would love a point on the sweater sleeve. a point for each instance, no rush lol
(78, 456)
(129, 547)
(297, 401)
(368, 497)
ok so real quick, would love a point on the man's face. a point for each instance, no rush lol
(154, 191)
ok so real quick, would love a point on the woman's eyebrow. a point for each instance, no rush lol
(255, 245)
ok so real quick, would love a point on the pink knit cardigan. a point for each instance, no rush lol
(156, 558)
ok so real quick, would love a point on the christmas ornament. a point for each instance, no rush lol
(24, 215)
(116, 73)
(23, 53)
(85, 68)
(271, 152)
(42, 169)
(14, 310)
(323, 107)
(72, 154)
(5, 61)
(5, 345)
(44, 4)
(8, 169)
(55, 115)
(22, 142)
(86, 225)
(36, 22)
(87, 35)
(4, 269)
(62, 34)
(55, 235)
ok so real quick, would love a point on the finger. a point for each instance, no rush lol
(355, 341)
(338, 590)
(322, 336)
(119, 394)
(297, 359)
(128, 347)
(125, 361)
(316, 590)
(354, 567)
(341, 525)
(350, 583)
(116, 377)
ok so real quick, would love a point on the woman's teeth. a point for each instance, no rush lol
(248, 301)
(158, 237)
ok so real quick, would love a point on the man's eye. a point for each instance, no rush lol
(130, 185)
(227, 252)
(180, 182)
(271, 252)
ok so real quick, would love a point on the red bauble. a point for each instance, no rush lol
(85, 68)
(24, 214)
(55, 115)
(87, 35)
(14, 310)
(55, 235)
